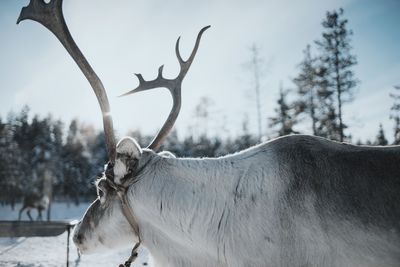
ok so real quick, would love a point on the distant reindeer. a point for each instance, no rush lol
(36, 201)
(293, 201)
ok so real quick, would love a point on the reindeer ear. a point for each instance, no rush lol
(128, 155)
(128, 146)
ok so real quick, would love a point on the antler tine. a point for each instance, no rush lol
(173, 85)
(185, 65)
(51, 16)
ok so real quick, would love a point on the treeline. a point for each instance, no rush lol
(28, 147)
(75, 157)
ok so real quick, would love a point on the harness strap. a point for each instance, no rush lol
(128, 212)
(121, 192)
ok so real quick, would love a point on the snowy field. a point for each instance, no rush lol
(51, 251)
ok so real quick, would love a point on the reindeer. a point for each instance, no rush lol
(36, 201)
(293, 201)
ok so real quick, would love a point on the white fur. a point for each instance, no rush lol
(120, 169)
(112, 230)
(166, 154)
(230, 212)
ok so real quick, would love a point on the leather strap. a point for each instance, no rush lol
(126, 210)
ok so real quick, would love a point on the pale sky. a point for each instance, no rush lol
(123, 37)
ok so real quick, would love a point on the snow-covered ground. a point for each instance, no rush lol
(51, 251)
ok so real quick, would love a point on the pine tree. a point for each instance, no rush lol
(255, 66)
(56, 148)
(306, 88)
(22, 147)
(76, 165)
(328, 126)
(245, 139)
(338, 61)
(173, 144)
(201, 117)
(12, 173)
(256, 71)
(395, 115)
(380, 138)
(98, 155)
(314, 98)
(285, 119)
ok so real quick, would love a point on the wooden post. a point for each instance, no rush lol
(68, 234)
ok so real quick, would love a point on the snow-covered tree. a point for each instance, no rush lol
(76, 167)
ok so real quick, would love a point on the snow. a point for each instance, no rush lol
(51, 251)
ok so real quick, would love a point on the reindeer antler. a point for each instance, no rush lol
(51, 16)
(173, 85)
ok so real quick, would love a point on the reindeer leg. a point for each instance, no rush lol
(20, 213)
(39, 217)
(29, 214)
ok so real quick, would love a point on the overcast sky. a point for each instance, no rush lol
(123, 37)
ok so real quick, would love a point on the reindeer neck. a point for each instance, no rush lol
(181, 201)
